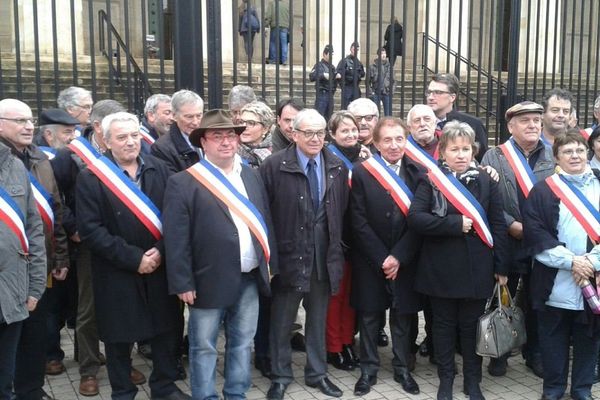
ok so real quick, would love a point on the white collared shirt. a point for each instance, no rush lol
(399, 164)
(248, 257)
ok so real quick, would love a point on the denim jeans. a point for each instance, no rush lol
(386, 100)
(240, 321)
(324, 103)
(556, 327)
(282, 34)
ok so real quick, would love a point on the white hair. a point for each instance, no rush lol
(310, 114)
(360, 105)
(116, 117)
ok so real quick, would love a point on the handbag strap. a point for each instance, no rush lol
(495, 295)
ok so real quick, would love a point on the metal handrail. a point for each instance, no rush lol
(141, 85)
(459, 58)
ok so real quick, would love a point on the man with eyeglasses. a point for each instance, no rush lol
(219, 254)
(175, 147)
(16, 133)
(78, 103)
(441, 94)
(367, 114)
(307, 188)
(22, 252)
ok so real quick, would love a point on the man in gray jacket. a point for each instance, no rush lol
(524, 122)
(22, 251)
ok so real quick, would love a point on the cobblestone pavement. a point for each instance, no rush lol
(519, 383)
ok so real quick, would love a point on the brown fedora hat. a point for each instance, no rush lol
(214, 119)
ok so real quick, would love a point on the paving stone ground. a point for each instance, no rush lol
(518, 384)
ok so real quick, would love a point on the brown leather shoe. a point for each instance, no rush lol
(55, 367)
(88, 386)
(137, 378)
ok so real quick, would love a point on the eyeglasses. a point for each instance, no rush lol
(435, 92)
(220, 137)
(570, 152)
(250, 123)
(21, 121)
(86, 107)
(367, 118)
(310, 134)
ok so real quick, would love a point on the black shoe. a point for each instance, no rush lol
(181, 374)
(298, 343)
(276, 391)
(339, 361)
(176, 395)
(45, 396)
(326, 387)
(474, 392)
(364, 383)
(424, 349)
(145, 350)
(408, 383)
(382, 338)
(350, 355)
(534, 363)
(445, 390)
(263, 364)
(497, 366)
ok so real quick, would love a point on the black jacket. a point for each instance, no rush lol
(453, 264)
(380, 229)
(291, 208)
(317, 75)
(351, 70)
(174, 150)
(201, 240)
(481, 135)
(397, 32)
(129, 306)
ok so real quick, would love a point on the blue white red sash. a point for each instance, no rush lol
(48, 151)
(585, 134)
(146, 135)
(44, 202)
(458, 195)
(519, 165)
(120, 185)
(390, 181)
(581, 208)
(344, 159)
(11, 215)
(211, 178)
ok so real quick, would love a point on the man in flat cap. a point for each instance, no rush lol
(325, 78)
(219, 245)
(524, 148)
(351, 71)
(56, 130)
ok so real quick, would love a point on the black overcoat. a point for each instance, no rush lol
(453, 264)
(129, 306)
(380, 229)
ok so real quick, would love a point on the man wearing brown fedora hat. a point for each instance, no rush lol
(219, 242)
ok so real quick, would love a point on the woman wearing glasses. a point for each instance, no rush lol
(565, 259)
(255, 141)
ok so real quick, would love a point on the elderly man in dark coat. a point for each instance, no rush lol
(308, 194)
(383, 255)
(129, 277)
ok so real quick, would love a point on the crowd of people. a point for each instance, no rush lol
(114, 225)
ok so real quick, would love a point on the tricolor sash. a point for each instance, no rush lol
(48, 151)
(585, 134)
(120, 185)
(519, 165)
(575, 201)
(390, 181)
(44, 202)
(11, 215)
(146, 135)
(211, 178)
(454, 191)
(344, 159)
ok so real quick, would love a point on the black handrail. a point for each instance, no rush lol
(458, 59)
(141, 86)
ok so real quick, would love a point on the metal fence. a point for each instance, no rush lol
(501, 50)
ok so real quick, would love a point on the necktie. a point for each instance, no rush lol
(440, 124)
(313, 183)
(395, 168)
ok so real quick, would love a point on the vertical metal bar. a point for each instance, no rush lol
(92, 47)
(480, 54)
(557, 44)
(513, 60)
(290, 59)
(36, 43)
(403, 70)
(393, 46)
(580, 60)
(199, 54)
(74, 44)
(278, 46)
(449, 36)
(527, 42)
(469, 57)
(342, 47)
(264, 56)
(109, 51)
(437, 36)
(55, 48)
(537, 52)
(304, 28)
(545, 49)
(144, 41)
(215, 64)
(500, 41)
(596, 55)
(457, 61)
(18, 49)
(572, 52)
(1, 76)
(160, 13)
(425, 46)
(318, 29)
(251, 40)
(332, 80)
(489, 94)
(368, 47)
(588, 64)
(414, 64)
(128, 53)
(235, 27)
